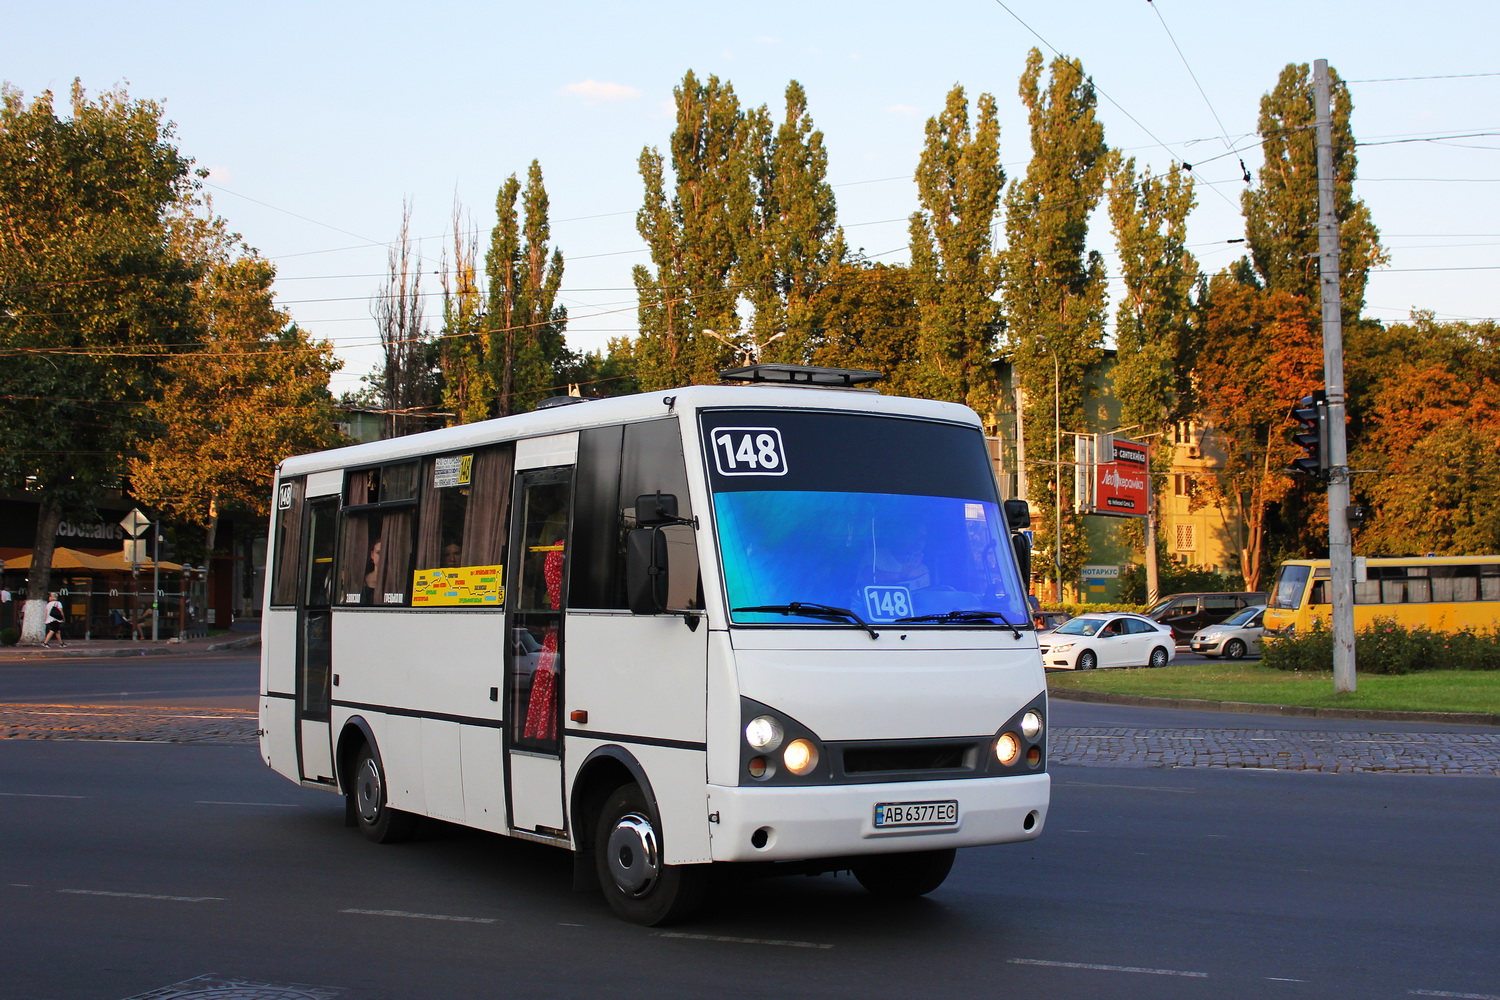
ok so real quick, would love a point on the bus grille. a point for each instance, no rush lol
(870, 760)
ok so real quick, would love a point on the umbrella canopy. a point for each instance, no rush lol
(65, 558)
(116, 561)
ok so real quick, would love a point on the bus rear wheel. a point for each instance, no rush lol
(374, 816)
(904, 876)
(638, 885)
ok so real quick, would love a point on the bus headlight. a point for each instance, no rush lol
(1007, 749)
(763, 733)
(1031, 724)
(800, 757)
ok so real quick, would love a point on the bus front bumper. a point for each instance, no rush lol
(821, 821)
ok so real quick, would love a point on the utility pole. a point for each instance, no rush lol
(1340, 545)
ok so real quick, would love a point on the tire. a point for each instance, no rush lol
(1234, 649)
(1087, 660)
(1159, 657)
(904, 876)
(372, 814)
(637, 884)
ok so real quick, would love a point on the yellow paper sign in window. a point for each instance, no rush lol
(459, 586)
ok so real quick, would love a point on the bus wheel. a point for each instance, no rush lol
(637, 884)
(1159, 657)
(377, 820)
(1234, 649)
(904, 876)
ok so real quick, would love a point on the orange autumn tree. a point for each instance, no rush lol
(1259, 352)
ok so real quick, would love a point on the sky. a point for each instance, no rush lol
(317, 122)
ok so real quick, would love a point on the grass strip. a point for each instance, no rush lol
(1459, 691)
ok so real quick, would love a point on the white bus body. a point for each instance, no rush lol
(542, 626)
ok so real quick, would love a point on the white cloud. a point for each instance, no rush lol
(595, 92)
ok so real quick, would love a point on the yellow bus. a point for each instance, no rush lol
(1440, 593)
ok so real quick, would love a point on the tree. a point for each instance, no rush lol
(1281, 211)
(406, 379)
(467, 381)
(868, 318)
(694, 237)
(93, 299)
(1261, 352)
(793, 238)
(253, 392)
(955, 270)
(1054, 292)
(524, 324)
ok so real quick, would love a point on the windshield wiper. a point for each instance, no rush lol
(965, 616)
(806, 610)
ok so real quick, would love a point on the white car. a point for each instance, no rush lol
(1116, 639)
(1233, 638)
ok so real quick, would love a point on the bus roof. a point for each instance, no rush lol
(559, 419)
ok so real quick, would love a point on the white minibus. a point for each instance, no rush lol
(781, 623)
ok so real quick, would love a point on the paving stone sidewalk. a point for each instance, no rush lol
(1282, 750)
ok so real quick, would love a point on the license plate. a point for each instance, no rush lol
(891, 815)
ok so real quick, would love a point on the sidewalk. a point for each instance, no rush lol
(125, 647)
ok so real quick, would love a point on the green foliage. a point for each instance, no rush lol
(1054, 291)
(1384, 647)
(1177, 578)
(1083, 608)
(955, 270)
(1281, 211)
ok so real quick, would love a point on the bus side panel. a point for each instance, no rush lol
(483, 778)
(278, 684)
(724, 735)
(442, 770)
(637, 675)
(426, 662)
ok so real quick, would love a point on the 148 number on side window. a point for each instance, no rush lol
(749, 451)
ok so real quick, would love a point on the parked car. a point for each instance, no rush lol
(1234, 638)
(1119, 639)
(1187, 613)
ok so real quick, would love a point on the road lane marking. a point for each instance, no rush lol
(277, 805)
(144, 895)
(422, 916)
(39, 795)
(725, 939)
(1133, 788)
(1106, 968)
(1460, 996)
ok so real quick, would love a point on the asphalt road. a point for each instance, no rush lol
(135, 869)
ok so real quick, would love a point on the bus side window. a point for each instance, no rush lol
(1319, 592)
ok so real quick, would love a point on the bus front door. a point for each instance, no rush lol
(314, 642)
(536, 595)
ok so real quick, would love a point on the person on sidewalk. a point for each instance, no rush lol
(54, 618)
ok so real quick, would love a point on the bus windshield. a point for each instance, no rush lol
(1291, 584)
(884, 517)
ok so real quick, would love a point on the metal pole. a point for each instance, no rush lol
(156, 582)
(1340, 544)
(1057, 477)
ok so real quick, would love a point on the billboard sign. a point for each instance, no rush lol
(1121, 479)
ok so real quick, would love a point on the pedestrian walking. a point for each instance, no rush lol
(54, 617)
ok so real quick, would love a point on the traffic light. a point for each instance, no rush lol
(1311, 414)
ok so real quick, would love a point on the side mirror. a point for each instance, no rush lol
(1021, 545)
(646, 569)
(656, 508)
(1017, 515)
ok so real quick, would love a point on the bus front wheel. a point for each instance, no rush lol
(638, 885)
(904, 876)
(377, 820)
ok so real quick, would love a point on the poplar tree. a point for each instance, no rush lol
(695, 234)
(467, 383)
(955, 270)
(793, 237)
(524, 324)
(1281, 211)
(1054, 292)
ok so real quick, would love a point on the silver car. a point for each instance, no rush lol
(1234, 637)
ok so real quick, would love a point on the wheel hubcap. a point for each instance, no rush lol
(367, 791)
(634, 858)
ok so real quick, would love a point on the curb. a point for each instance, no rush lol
(1256, 708)
(25, 653)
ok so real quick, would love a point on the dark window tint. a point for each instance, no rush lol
(288, 546)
